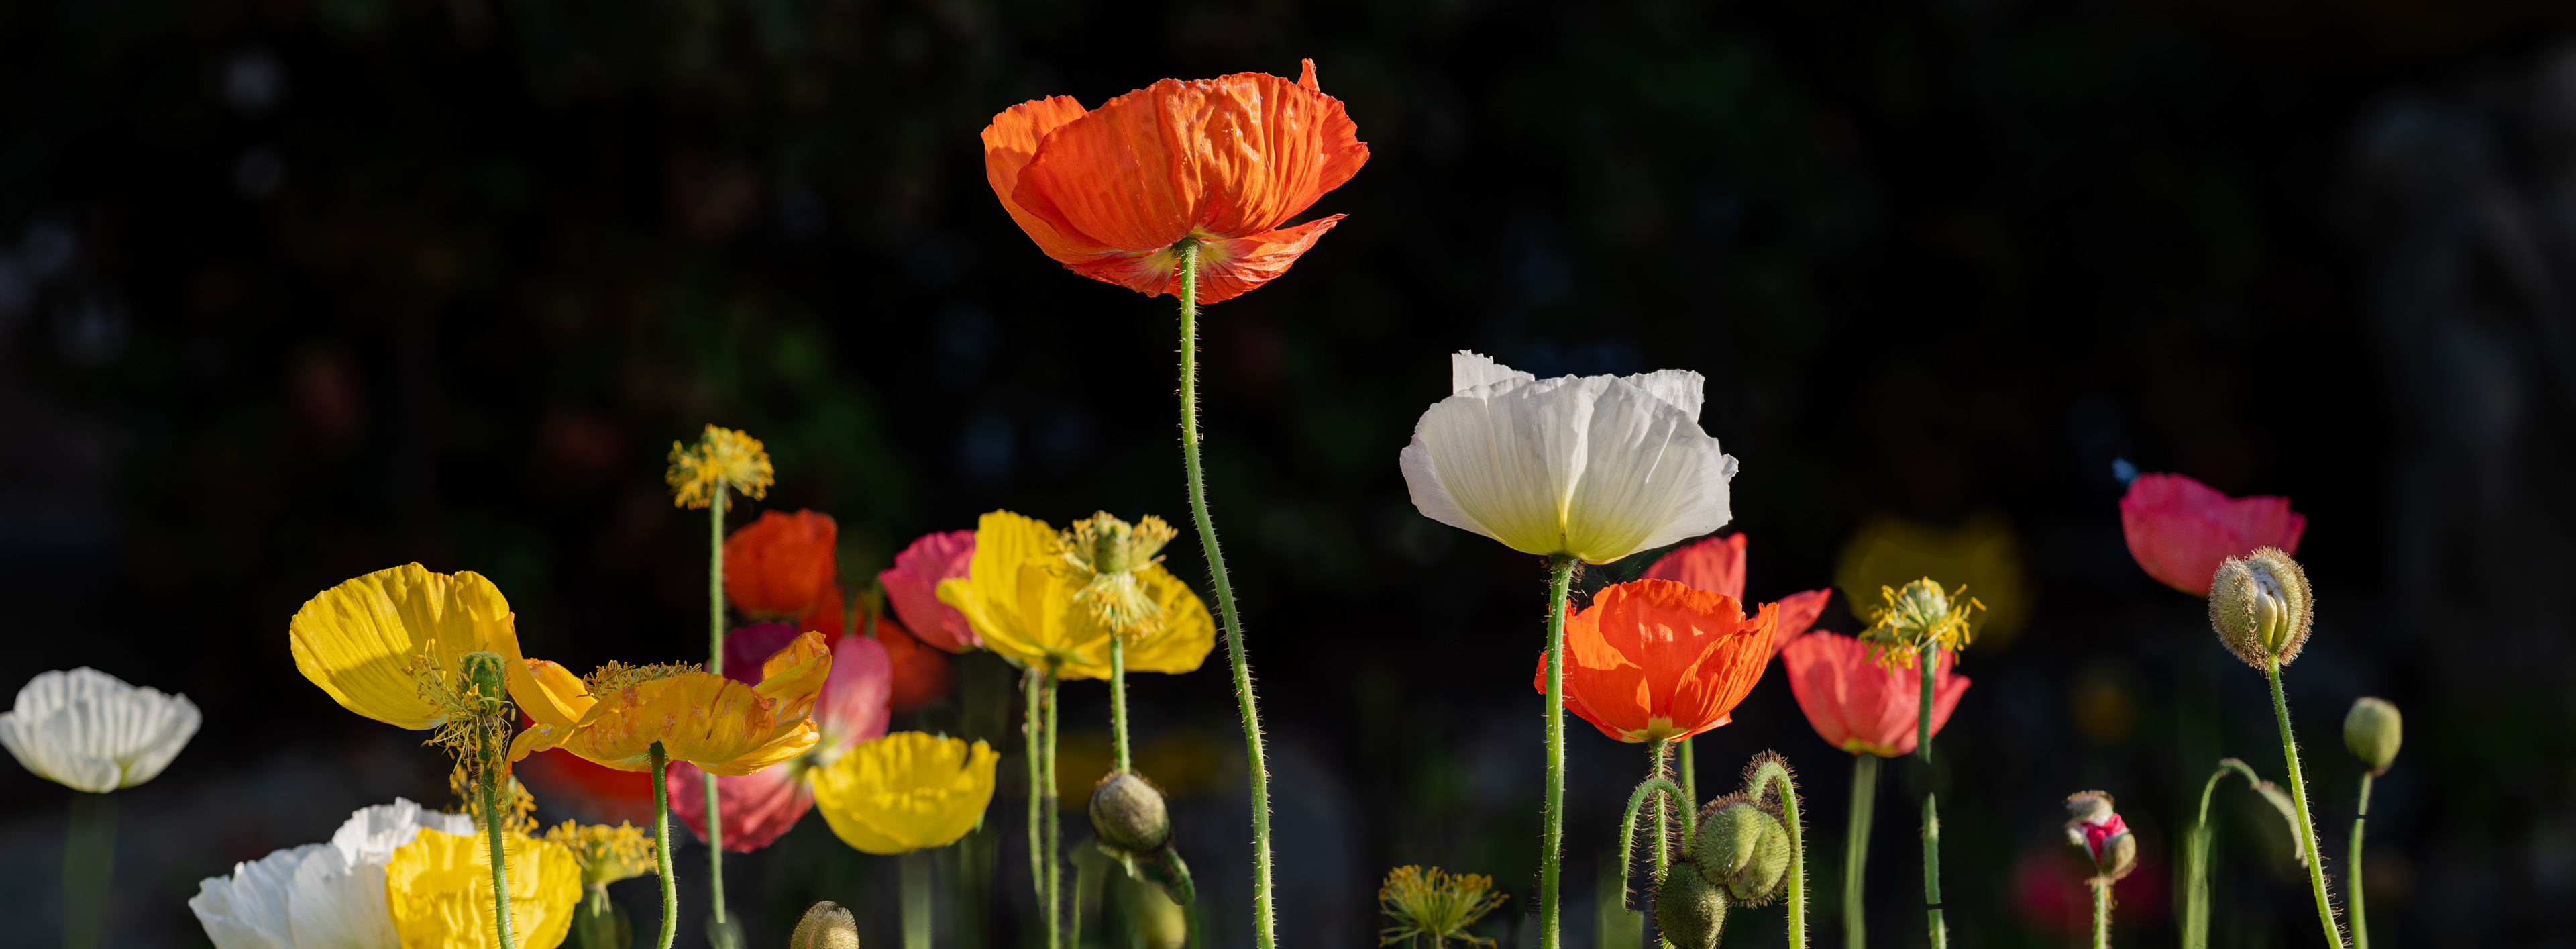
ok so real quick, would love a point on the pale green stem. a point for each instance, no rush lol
(1054, 831)
(1932, 921)
(2299, 796)
(1771, 772)
(1033, 735)
(1262, 927)
(1690, 778)
(915, 867)
(496, 737)
(89, 867)
(1864, 802)
(2352, 870)
(1552, 818)
(662, 847)
(1628, 827)
(2195, 907)
(715, 664)
(2101, 913)
(1118, 704)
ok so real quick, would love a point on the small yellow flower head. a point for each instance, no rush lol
(1106, 554)
(1435, 904)
(606, 854)
(2260, 605)
(1917, 615)
(722, 458)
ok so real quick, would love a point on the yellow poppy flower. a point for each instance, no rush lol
(390, 645)
(1019, 596)
(906, 791)
(614, 716)
(438, 889)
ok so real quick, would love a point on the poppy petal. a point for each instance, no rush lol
(1009, 142)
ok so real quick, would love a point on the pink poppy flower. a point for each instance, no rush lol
(2180, 530)
(912, 588)
(1717, 565)
(1859, 706)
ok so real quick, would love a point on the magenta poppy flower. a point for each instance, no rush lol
(852, 708)
(912, 588)
(2180, 530)
(1717, 565)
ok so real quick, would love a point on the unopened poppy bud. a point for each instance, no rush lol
(2260, 605)
(1742, 847)
(826, 926)
(1689, 911)
(1128, 813)
(2373, 730)
(2104, 837)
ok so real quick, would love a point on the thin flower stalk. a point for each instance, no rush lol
(2352, 869)
(1045, 831)
(1552, 819)
(2299, 797)
(715, 664)
(1263, 927)
(916, 868)
(2101, 913)
(705, 474)
(1770, 772)
(1662, 789)
(1120, 760)
(662, 849)
(1864, 803)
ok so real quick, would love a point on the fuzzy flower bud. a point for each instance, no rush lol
(1128, 813)
(2260, 605)
(2373, 730)
(1742, 847)
(2103, 835)
(1689, 911)
(825, 926)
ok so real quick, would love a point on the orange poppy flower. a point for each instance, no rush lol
(920, 672)
(717, 723)
(1224, 162)
(1717, 565)
(781, 566)
(1654, 659)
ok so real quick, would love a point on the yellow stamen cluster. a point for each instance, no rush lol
(521, 819)
(606, 854)
(723, 457)
(1435, 904)
(1106, 554)
(613, 676)
(465, 713)
(1917, 615)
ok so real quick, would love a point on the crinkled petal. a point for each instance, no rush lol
(907, 791)
(758, 807)
(1228, 267)
(358, 640)
(1009, 142)
(93, 732)
(248, 909)
(438, 890)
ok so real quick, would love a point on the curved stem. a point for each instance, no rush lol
(1118, 704)
(2101, 913)
(1262, 928)
(1773, 772)
(1628, 828)
(495, 738)
(1864, 801)
(2352, 870)
(1552, 819)
(662, 847)
(2299, 796)
(715, 664)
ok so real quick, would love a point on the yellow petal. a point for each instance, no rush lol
(549, 693)
(793, 676)
(1004, 594)
(1187, 634)
(438, 888)
(358, 640)
(906, 791)
(702, 718)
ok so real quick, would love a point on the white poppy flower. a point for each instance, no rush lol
(319, 896)
(1596, 467)
(90, 731)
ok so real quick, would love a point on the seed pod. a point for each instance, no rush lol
(1743, 847)
(2373, 730)
(2260, 606)
(1688, 910)
(825, 926)
(1127, 813)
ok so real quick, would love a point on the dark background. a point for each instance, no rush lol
(293, 290)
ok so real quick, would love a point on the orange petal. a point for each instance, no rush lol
(549, 693)
(1009, 142)
(793, 742)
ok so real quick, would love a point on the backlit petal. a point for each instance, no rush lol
(93, 732)
(1009, 142)
(907, 791)
(356, 640)
(912, 588)
(438, 890)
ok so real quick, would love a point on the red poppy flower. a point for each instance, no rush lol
(1656, 659)
(920, 672)
(1224, 162)
(1860, 706)
(779, 566)
(760, 806)
(2180, 530)
(1717, 565)
(912, 589)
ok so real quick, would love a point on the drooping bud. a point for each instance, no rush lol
(2261, 607)
(2103, 835)
(1689, 911)
(1128, 813)
(1743, 847)
(2373, 730)
(826, 926)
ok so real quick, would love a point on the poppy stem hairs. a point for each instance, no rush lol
(1045, 870)
(2261, 607)
(2372, 731)
(1628, 830)
(700, 475)
(1560, 570)
(1263, 928)
(662, 848)
(490, 751)
(715, 663)
(1769, 771)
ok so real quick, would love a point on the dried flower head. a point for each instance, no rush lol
(1916, 615)
(1107, 554)
(606, 854)
(2260, 606)
(722, 458)
(1435, 904)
